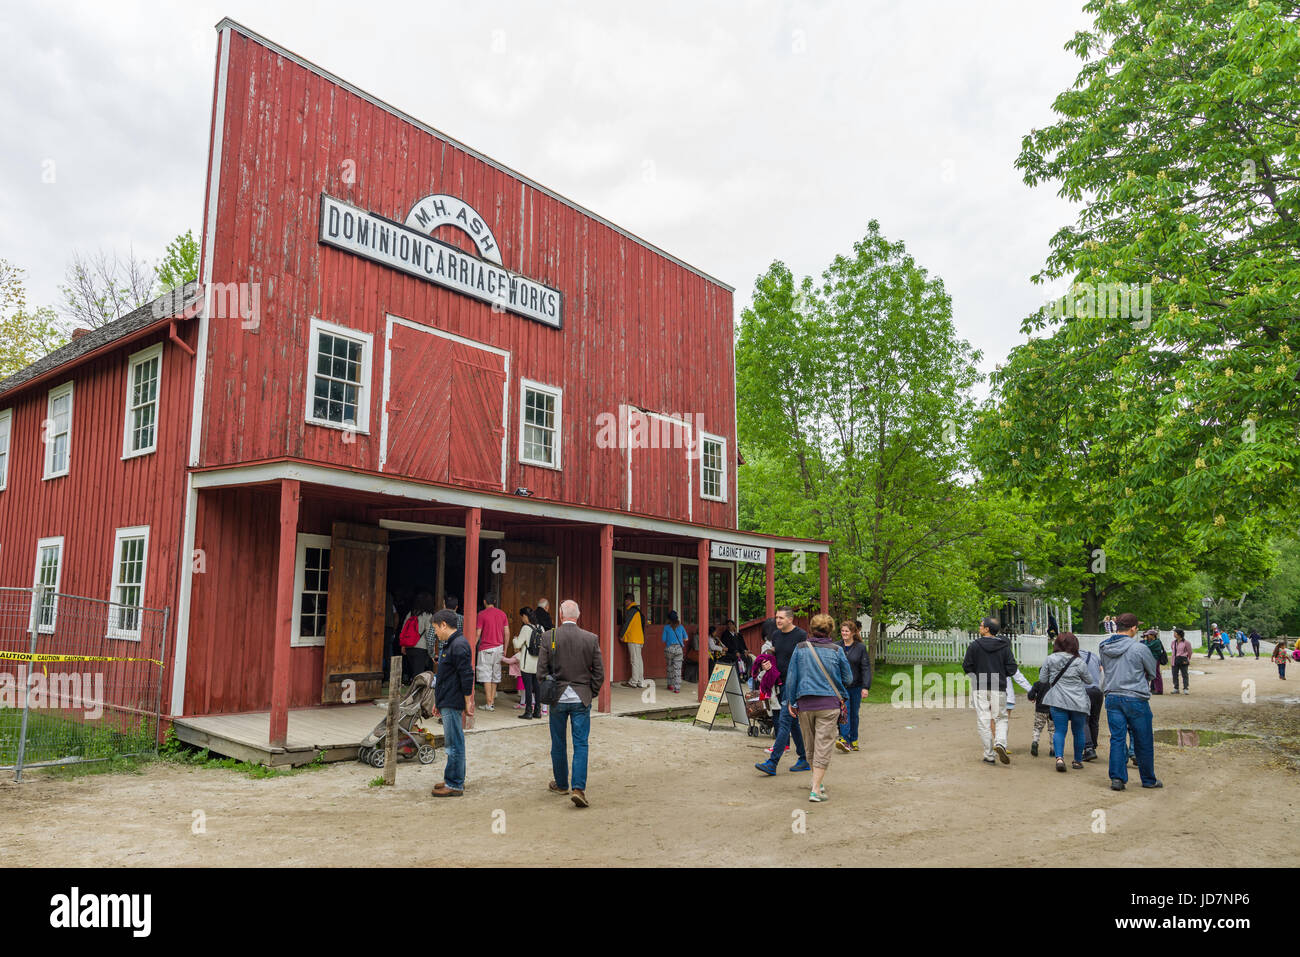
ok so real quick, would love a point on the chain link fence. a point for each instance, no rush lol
(80, 678)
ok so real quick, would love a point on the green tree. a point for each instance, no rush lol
(180, 263)
(25, 334)
(853, 405)
(1181, 139)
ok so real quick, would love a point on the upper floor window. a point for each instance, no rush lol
(713, 471)
(49, 569)
(539, 429)
(339, 373)
(143, 370)
(6, 423)
(57, 431)
(130, 549)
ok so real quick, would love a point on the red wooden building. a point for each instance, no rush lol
(408, 367)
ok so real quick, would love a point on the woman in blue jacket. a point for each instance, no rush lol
(816, 686)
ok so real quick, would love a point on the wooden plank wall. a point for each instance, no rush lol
(102, 492)
(639, 328)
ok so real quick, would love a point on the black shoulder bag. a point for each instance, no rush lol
(1041, 687)
(548, 688)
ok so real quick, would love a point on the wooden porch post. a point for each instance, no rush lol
(473, 526)
(824, 565)
(440, 575)
(290, 494)
(606, 630)
(771, 583)
(702, 556)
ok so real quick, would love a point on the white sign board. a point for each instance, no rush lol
(383, 241)
(738, 553)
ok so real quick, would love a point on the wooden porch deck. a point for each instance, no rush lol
(338, 730)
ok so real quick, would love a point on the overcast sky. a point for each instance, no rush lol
(729, 134)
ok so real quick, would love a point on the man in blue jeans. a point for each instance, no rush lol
(455, 683)
(572, 655)
(785, 640)
(1129, 668)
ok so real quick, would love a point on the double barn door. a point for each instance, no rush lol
(445, 405)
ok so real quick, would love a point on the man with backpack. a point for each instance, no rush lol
(990, 665)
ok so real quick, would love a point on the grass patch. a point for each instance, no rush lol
(884, 684)
(52, 736)
(175, 751)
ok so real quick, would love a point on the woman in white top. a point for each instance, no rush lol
(528, 663)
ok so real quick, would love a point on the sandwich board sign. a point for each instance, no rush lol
(722, 681)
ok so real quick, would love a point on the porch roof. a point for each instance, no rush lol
(356, 480)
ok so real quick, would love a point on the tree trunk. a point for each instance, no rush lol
(1091, 609)
(873, 638)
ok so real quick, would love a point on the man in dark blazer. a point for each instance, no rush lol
(575, 662)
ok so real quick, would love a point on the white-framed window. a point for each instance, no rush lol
(311, 590)
(338, 377)
(539, 424)
(57, 431)
(130, 551)
(6, 425)
(49, 570)
(140, 435)
(713, 467)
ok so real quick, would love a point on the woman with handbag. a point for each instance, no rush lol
(816, 687)
(1067, 679)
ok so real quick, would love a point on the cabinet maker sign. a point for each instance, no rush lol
(405, 249)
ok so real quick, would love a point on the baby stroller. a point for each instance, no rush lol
(411, 741)
(759, 714)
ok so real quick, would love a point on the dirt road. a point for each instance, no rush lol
(666, 794)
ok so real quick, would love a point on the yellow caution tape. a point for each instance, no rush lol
(26, 656)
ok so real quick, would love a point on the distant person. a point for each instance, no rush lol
(989, 663)
(1214, 642)
(674, 651)
(786, 637)
(1052, 630)
(454, 686)
(860, 667)
(1067, 677)
(575, 662)
(1254, 642)
(527, 645)
(632, 634)
(451, 603)
(1129, 669)
(816, 691)
(542, 614)
(1151, 639)
(1182, 652)
(417, 637)
(1279, 659)
(491, 628)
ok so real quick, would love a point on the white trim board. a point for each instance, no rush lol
(467, 498)
(454, 531)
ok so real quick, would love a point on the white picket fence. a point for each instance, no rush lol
(939, 647)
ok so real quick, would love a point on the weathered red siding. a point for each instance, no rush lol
(102, 492)
(633, 319)
(233, 608)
